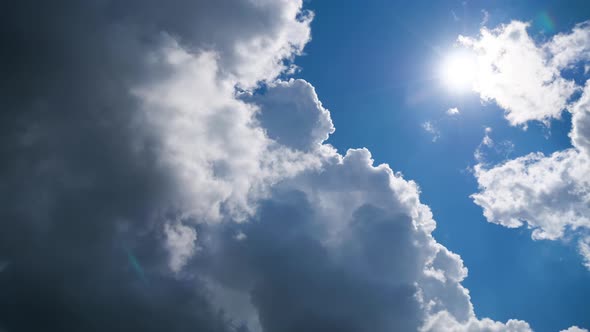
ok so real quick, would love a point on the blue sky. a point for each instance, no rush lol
(372, 64)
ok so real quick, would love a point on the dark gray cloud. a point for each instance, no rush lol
(292, 114)
(296, 282)
(84, 193)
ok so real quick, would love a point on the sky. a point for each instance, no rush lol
(277, 166)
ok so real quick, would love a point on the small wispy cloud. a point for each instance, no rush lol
(501, 149)
(453, 111)
(487, 141)
(486, 17)
(430, 128)
(240, 236)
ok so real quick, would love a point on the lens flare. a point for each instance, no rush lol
(459, 71)
(135, 265)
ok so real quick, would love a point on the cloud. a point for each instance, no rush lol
(548, 194)
(223, 161)
(566, 49)
(122, 134)
(584, 249)
(443, 322)
(180, 242)
(486, 143)
(288, 103)
(490, 148)
(485, 17)
(512, 71)
(453, 111)
(580, 133)
(430, 128)
(160, 177)
(347, 248)
(575, 329)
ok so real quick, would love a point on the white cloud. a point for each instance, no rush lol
(486, 142)
(512, 71)
(584, 249)
(430, 128)
(549, 194)
(485, 18)
(453, 111)
(212, 142)
(580, 133)
(443, 322)
(180, 241)
(566, 49)
(488, 146)
(575, 329)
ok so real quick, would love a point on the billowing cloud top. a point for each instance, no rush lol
(513, 72)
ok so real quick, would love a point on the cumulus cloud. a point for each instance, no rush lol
(584, 248)
(160, 177)
(580, 133)
(567, 49)
(548, 194)
(443, 322)
(575, 329)
(292, 114)
(347, 248)
(513, 72)
(222, 159)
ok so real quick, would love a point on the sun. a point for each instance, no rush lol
(459, 71)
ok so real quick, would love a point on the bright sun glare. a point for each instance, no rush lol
(459, 70)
